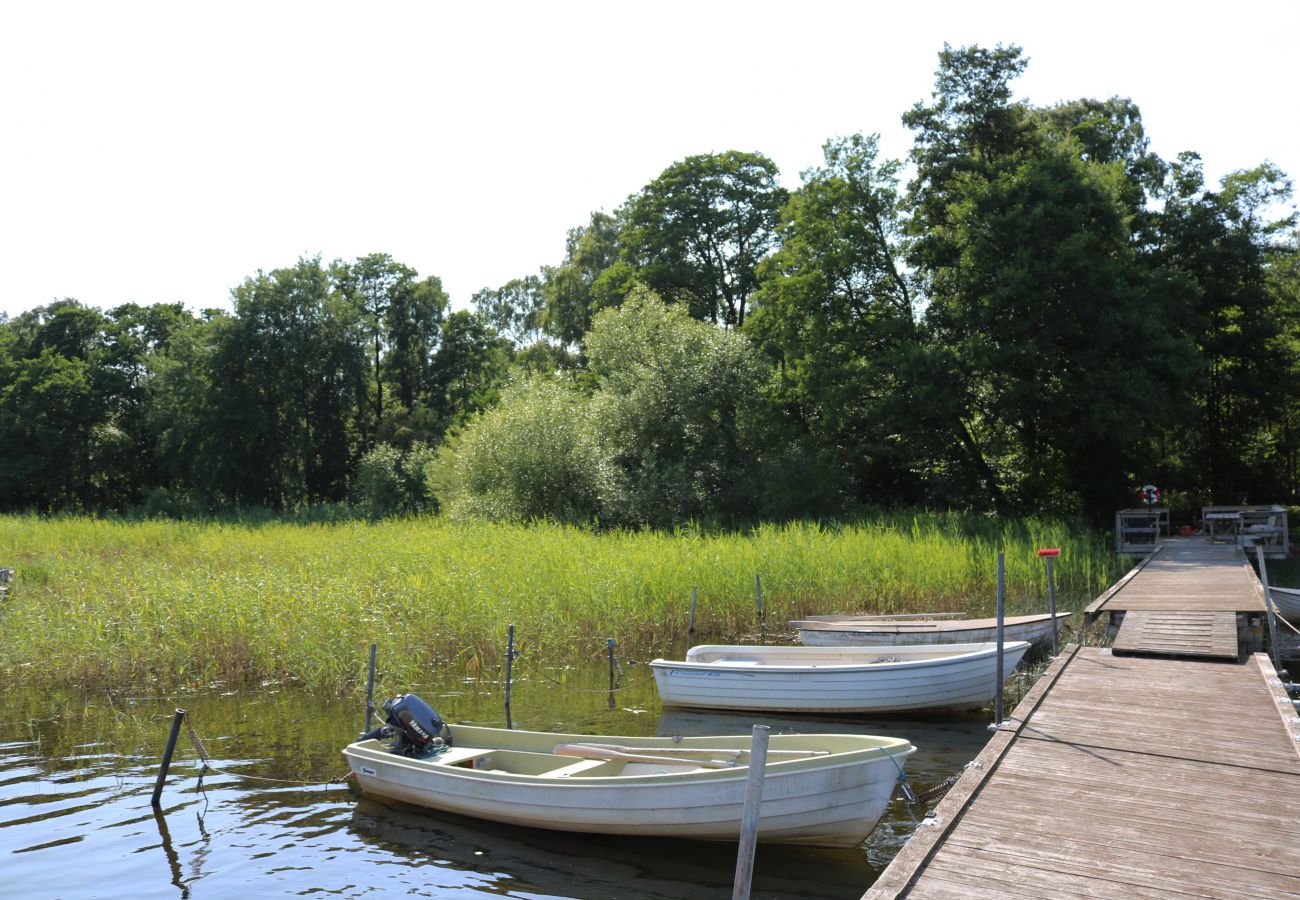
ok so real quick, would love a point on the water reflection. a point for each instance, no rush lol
(76, 773)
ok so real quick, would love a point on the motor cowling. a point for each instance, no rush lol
(419, 730)
(416, 721)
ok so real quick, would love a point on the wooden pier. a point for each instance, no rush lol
(1132, 775)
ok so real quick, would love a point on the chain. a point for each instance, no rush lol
(201, 749)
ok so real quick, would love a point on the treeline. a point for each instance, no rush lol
(1045, 316)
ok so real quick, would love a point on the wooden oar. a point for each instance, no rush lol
(585, 751)
(733, 752)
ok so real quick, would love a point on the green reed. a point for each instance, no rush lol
(175, 604)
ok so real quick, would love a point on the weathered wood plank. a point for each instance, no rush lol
(1123, 777)
(1180, 633)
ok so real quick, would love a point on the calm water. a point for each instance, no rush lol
(77, 772)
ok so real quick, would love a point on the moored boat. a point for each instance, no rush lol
(825, 790)
(836, 679)
(1287, 602)
(865, 631)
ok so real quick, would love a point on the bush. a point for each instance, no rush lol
(390, 482)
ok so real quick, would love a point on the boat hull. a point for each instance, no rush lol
(1037, 630)
(833, 800)
(836, 680)
(1287, 602)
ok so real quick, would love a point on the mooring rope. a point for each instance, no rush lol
(201, 749)
(902, 778)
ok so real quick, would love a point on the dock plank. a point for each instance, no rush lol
(1122, 777)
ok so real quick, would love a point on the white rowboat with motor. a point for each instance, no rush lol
(836, 679)
(826, 790)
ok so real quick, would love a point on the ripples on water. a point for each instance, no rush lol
(77, 773)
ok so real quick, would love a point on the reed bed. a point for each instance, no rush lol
(126, 605)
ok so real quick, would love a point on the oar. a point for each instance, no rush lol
(584, 751)
(664, 752)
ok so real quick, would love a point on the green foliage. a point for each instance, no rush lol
(672, 417)
(696, 233)
(391, 482)
(526, 458)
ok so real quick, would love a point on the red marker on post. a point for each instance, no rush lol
(1049, 554)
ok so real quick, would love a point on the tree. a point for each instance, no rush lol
(574, 291)
(372, 285)
(468, 369)
(836, 313)
(288, 378)
(1063, 364)
(514, 309)
(696, 234)
(1215, 250)
(528, 457)
(672, 415)
(414, 323)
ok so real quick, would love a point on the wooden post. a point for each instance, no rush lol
(749, 817)
(1002, 593)
(609, 645)
(695, 595)
(1268, 606)
(167, 755)
(370, 690)
(1049, 554)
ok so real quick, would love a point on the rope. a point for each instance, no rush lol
(202, 750)
(902, 778)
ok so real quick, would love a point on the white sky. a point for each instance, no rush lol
(157, 152)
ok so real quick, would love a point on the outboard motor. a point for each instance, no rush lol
(420, 731)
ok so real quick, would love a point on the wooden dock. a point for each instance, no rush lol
(1129, 776)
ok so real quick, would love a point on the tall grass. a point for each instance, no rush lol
(172, 604)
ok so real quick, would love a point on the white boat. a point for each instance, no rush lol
(1286, 601)
(866, 631)
(835, 679)
(825, 790)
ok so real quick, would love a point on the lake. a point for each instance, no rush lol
(77, 771)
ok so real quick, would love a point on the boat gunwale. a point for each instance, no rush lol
(898, 749)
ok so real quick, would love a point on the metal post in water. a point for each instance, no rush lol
(695, 595)
(1268, 606)
(609, 645)
(1049, 554)
(510, 662)
(758, 584)
(749, 817)
(370, 690)
(167, 755)
(1002, 593)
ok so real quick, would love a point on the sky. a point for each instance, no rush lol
(162, 152)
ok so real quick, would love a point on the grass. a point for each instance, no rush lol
(174, 604)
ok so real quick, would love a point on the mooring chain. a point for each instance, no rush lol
(201, 749)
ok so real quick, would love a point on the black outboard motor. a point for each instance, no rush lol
(420, 731)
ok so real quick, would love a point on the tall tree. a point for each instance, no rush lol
(697, 232)
(288, 375)
(1214, 248)
(837, 313)
(371, 284)
(515, 309)
(1023, 248)
(574, 291)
